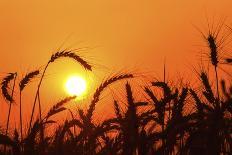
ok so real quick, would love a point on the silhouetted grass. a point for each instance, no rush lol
(22, 84)
(156, 124)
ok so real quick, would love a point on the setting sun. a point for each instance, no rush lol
(114, 77)
(76, 85)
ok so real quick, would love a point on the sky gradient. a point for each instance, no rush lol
(114, 35)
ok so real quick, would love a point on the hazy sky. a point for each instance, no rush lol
(116, 34)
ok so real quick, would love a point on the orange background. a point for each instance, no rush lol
(116, 35)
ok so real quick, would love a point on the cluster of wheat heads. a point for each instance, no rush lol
(162, 127)
(22, 84)
(160, 123)
(8, 92)
(54, 57)
(8, 95)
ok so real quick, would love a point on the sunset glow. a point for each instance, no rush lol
(76, 85)
(108, 77)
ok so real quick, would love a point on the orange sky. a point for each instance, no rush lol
(117, 34)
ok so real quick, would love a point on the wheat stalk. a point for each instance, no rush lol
(58, 107)
(27, 78)
(22, 84)
(54, 57)
(72, 55)
(214, 56)
(71, 113)
(117, 110)
(213, 49)
(101, 88)
(208, 93)
(5, 85)
(215, 44)
(228, 60)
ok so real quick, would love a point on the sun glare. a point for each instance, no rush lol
(76, 85)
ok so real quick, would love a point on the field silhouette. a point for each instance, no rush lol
(161, 124)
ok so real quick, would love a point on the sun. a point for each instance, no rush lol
(76, 85)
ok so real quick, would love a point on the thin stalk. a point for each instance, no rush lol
(41, 128)
(216, 75)
(20, 114)
(164, 70)
(169, 111)
(74, 127)
(33, 108)
(40, 113)
(8, 117)
(169, 104)
(163, 140)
